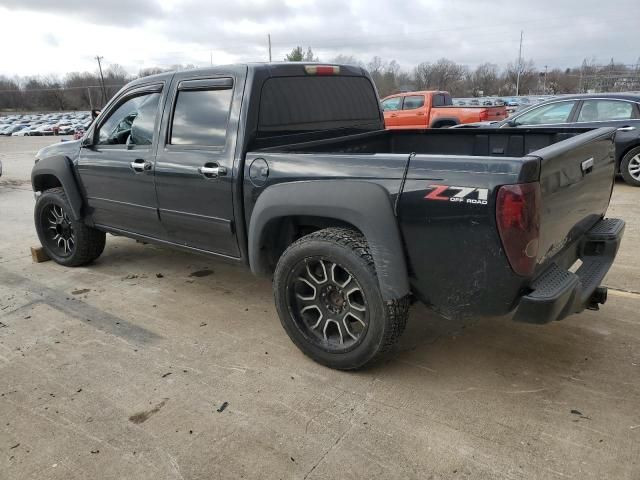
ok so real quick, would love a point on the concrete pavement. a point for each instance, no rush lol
(118, 370)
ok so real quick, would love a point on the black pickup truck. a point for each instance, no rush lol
(287, 168)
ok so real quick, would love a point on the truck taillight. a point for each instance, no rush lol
(322, 69)
(484, 114)
(518, 219)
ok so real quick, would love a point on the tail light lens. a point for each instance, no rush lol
(484, 114)
(518, 219)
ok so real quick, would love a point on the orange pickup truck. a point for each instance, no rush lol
(433, 109)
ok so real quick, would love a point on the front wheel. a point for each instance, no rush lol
(66, 241)
(329, 301)
(630, 167)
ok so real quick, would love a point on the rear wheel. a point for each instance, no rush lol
(630, 167)
(66, 241)
(329, 301)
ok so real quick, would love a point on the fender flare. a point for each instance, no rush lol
(444, 119)
(61, 167)
(366, 206)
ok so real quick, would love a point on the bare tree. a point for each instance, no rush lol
(484, 80)
(528, 77)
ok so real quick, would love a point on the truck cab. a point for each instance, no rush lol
(433, 109)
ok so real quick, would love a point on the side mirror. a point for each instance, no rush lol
(512, 123)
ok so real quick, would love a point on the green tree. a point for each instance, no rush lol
(297, 55)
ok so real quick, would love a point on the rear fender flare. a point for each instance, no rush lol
(438, 120)
(60, 167)
(366, 206)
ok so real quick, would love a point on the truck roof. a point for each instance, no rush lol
(273, 69)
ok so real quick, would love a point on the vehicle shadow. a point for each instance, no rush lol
(431, 343)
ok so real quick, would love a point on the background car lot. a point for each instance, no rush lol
(113, 368)
(44, 124)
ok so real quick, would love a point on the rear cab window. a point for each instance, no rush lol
(442, 100)
(307, 104)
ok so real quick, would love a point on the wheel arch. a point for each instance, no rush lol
(363, 206)
(57, 171)
(623, 154)
(444, 121)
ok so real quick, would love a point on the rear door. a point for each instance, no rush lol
(194, 166)
(117, 169)
(620, 114)
(413, 112)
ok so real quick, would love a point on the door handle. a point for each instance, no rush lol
(626, 129)
(587, 166)
(140, 165)
(420, 114)
(393, 115)
(212, 170)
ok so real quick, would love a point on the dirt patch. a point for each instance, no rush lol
(142, 417)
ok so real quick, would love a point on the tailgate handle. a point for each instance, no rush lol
(587, 166)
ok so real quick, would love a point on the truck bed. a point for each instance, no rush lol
(456, 249)
(489, 142)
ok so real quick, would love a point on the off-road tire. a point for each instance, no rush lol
(624, 167)
(89, 242)
(347, 249)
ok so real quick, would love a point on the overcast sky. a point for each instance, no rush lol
(40, 37)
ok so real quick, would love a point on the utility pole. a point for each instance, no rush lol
(90, 100)
(269, 39)
(104, 91)
(211, 56)
(544, 87)
(519, 66)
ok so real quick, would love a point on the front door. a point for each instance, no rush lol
(117, 168)
(194, 164)
(391, 107)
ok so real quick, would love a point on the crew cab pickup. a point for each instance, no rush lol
(433, 109)
(287, 169)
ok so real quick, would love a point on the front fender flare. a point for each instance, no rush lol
(366, 206)
(61, 167)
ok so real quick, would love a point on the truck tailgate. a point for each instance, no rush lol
(576, 181)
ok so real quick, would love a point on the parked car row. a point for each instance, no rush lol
(39, 124)
(618, 110)
(511, 103)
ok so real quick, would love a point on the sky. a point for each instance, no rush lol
(43, 37)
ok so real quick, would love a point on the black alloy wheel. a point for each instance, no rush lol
(327, 304)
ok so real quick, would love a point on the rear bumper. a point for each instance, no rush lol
(558, 293)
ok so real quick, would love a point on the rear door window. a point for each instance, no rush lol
(413, 102)
(606, 110)
(201, 113)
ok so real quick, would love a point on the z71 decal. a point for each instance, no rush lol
(449, 193)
